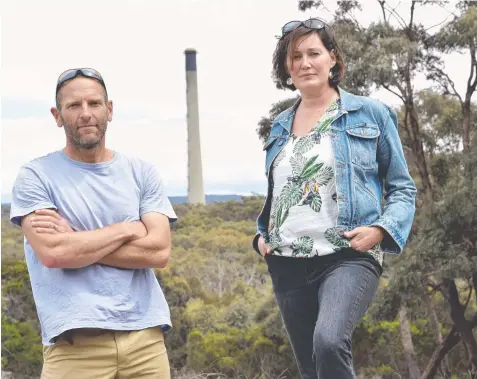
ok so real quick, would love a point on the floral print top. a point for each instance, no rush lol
(304, 210)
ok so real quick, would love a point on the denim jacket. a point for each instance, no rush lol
(369, 162)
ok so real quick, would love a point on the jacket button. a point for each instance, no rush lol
(280, 143)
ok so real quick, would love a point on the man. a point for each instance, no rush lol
(96, 223)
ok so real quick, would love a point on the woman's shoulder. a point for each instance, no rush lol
(367, 109)
(366, 102)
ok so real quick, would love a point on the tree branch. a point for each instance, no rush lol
(473, 70)
(439, 24)
(434, 286)
(468, 297)
(411, 21)
(456, 306)
(449, 81)
(458, 318)
(398, 18)
(381, 3)
(385, 86)
(440, 352)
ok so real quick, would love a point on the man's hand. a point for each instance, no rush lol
(263, 247)
(49, 221)
(364, 238)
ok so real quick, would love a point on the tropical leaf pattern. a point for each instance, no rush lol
(290, 196)
(279, 158)
(323, 127)
(303, 145)
(324, 176)
(274, 239)
(314, 203)
(376, 253)
(336, 238)
(297, 162)
(302, 246)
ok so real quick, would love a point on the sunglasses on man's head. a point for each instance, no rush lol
(75, 72)
(312, 23)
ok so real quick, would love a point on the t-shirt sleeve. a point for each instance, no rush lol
(153, 197)
(28, 195)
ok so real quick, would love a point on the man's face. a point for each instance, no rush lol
(83, 112)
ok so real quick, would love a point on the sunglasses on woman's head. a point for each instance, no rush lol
(312, 23)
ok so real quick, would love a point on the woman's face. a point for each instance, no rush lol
(309, 63)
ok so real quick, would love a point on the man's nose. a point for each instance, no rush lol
(85, 110)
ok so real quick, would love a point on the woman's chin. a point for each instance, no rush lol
(311, 86)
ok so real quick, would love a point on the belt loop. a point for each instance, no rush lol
(69, 336)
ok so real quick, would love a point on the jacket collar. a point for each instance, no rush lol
(348, 103)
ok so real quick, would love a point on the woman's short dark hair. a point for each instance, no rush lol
(287, 43)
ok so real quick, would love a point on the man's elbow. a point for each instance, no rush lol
(55, 257)
(46, 253)
(163, 257)
(50, 260)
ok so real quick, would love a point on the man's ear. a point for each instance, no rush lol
(56, 114)
(110, 110)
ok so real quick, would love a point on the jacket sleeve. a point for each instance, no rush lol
(399, 187)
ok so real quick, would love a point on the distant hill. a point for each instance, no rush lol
(209, 199)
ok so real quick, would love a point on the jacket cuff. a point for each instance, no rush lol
(255, 243)
(392, 242)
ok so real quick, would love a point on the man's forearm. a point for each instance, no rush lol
(141, 253)
(80, 249)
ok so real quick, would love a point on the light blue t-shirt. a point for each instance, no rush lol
(92, 196)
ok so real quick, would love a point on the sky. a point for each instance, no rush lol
(138, 46)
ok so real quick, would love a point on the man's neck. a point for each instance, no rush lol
(96, 155)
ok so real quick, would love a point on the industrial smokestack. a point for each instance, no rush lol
(195, 189)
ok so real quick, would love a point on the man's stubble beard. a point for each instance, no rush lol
(75, 139)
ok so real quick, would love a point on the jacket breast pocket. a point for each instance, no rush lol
(363, 141)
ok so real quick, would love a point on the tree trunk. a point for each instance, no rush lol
(463, 326)
(406, 339)
(441, 351)
(466, 126)
(471, 87)
(439, 340)
(418, 147)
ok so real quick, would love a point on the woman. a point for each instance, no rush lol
(323, 229)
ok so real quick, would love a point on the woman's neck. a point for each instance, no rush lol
(319, 99)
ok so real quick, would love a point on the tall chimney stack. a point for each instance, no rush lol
(195, 189)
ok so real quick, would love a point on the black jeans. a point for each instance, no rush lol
(321, 300)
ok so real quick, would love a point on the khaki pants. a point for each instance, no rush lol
(108, 355)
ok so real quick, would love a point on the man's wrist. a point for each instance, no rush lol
(126, 232)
